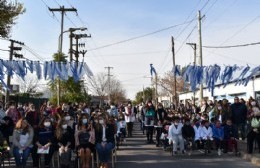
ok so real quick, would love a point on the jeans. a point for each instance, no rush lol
(241, 128)
(20, 159)
(219, 143)
(104, 153)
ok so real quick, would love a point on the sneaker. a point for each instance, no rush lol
(219, 152)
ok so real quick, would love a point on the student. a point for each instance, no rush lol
(175, 135)
(218, 135)
(85, 140)
(197, 129)
(254, 133)
(44, 139)
(22, 142)
(206, 135)
(65, 141)
(230, 136)
(105, 141)
(129, 118)
(150, 121)
(188, 132)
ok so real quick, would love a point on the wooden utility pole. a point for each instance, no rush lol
(63, 11)
(200, 52)
(175, 82)
(108, 78)
(12, 49)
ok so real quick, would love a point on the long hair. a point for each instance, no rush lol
(18, 125)
(59, 128)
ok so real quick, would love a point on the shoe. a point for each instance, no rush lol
(209, 151)
(157, 145)
(219, 152)
(183, 152)
(175, 152)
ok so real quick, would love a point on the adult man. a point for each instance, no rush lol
(239, 116)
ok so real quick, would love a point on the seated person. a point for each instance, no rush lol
(197, 129)
(164, 135)
(218, 135)
(206, 135)
(188, 132)
(230, 136)
(175, 135)
(105, 141)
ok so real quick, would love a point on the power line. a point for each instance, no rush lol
(141, 36)
(4, 50)
(233, 46)
(240, 30)
(47, 8)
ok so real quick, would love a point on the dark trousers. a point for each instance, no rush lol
(158, 135)
(129, 127)
(251, 137)
(149, 133)
(230, 145)
(47, 157)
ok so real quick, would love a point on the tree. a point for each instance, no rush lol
(29, 85)
(166, 83)
(142, 96)
(9, 12)
(99, 86)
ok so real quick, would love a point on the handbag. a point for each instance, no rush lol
(255, 123)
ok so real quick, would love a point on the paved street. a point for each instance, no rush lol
(137, 154)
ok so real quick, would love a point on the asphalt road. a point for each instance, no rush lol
(135, 153)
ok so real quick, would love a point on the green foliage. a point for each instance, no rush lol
(9, 11)
(70, 91)
(142, 96)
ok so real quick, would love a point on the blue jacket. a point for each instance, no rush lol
(218, 132)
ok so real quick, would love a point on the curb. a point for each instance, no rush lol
(251, 158)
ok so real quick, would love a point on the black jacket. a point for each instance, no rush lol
(109, 133)
(238, 113)
(188, 131)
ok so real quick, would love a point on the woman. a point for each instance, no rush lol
(105, 141)
(129, 118)
(150, 117)
(85, 140)
(65, 140)
(254, 133)
(44, 141)
(22, 142)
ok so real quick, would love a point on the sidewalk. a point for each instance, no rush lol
(253, 158)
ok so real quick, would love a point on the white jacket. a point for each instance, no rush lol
(173, 131)
(197, 132)
(129, 118)
(206, 133)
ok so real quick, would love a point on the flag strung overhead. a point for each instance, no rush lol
(214, 74)
(152, 70)
(48, 70)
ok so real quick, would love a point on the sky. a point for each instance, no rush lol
(225, 22)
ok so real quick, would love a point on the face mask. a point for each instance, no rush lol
(52, 119)
(101, 121)
(176, 123)
(47, 124)
(219, 108)
(159, 107)
(12, 107)
(96, 121)
(149, 104)
(129, 105)
(67, 118)
(187, 123)
(253, 103)
(64, 126)
(85, 121)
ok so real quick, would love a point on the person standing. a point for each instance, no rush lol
(129, 118)
(239, 116)
(150, 121)
(13, 113)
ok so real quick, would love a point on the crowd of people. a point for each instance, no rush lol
(76, 127)
(213, 125)
(64, 129)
